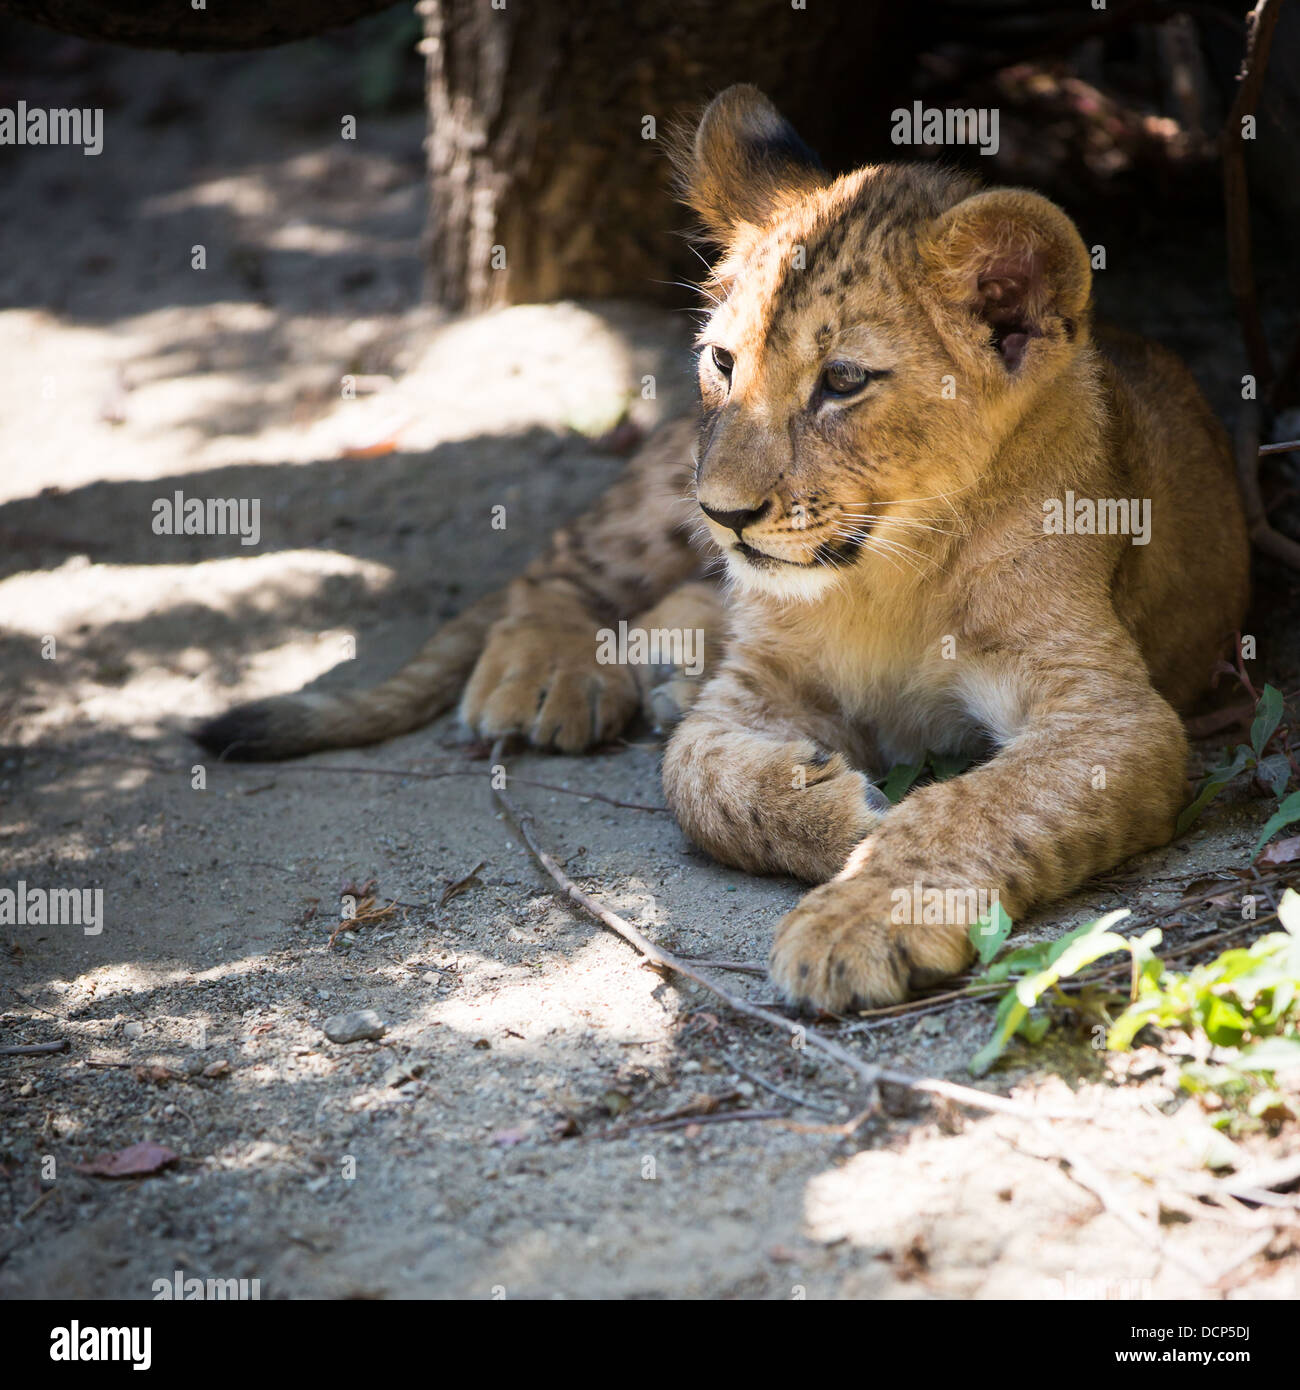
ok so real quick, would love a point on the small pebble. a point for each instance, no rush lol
(133, 1030)
(361, 1026)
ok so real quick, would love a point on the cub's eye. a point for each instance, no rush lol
(723, 361)
(846, 378)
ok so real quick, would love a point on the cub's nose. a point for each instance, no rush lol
(737, 520)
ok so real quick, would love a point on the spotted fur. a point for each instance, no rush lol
(895, 589)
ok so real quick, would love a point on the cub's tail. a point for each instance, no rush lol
(287, 726)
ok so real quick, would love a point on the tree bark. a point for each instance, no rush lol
(547, 124)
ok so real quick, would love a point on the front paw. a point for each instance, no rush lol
(842, 949)
(544, 681)
(667, 701)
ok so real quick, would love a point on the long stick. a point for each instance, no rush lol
(867, 1073)
(34, 1049)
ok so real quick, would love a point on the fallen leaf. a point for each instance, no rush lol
(381, 438)
(158, 1075)
(508, 1138)
(469, 880)
(1283, 852)
(370, 451)
(364, 914)
(135, 1161)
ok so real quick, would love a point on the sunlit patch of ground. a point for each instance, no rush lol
(498, 1135)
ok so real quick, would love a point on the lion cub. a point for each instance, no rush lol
(956, 522)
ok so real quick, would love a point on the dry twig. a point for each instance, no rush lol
(1261, 530)
(349, 769)
(34, 1049)
(869, 1075)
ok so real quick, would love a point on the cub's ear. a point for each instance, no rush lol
(1017, 263)
(744, 161)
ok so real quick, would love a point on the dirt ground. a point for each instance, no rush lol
(494, 1141)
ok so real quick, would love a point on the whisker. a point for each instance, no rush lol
(885, 546)
(692, 289)
(908, 556)
(915, 522)
(952, 492)
(933, 497)
(874, 512)
(866, 540)
(699, 257)
(884, 555)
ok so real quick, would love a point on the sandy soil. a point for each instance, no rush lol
(493, 1139)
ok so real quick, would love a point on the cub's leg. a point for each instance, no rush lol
(763, 792)
(539, 674)
(1091, 770)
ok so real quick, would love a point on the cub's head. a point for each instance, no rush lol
(872, 340)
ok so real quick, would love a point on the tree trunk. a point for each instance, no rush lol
(547, 126)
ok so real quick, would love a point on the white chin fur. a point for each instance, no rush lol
(797, 584)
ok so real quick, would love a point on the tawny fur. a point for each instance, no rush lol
(896, 592)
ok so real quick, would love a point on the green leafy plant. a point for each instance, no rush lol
(1037, 972)
(1287, 813)
(902, 776)
(990, 932)
(1272, 769)
(1245, 1003)
(1236, 1000)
